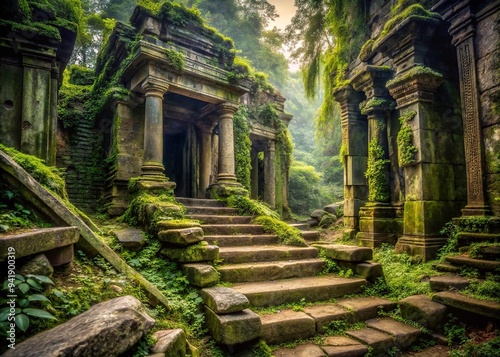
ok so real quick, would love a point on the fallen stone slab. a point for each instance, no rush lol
(131, 238)
(404, 335)
(380, 342)
(422, 310)
(201, 275)
(481, 264)
(448, 282)
(106, 329)
(182, 237)
(287, 325)
(307, 350)
(324, 314)
(222, 300)
(345, 252)
(170, 342)
(465, 303)
(38, 241)
(201, 252)
(366, 308)
(235, 328)
(341, 346)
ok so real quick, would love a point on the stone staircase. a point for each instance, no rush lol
(269, 274)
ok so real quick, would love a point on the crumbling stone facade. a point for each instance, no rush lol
(420, 124)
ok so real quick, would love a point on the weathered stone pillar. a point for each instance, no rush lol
(205, 129)
(254, 174)
(226, 144)
(152, 167)
(270, 174)
(376, 223)
(463, 31)
(355, 146)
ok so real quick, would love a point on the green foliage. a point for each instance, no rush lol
(81, 76)
(303, 188)
(488, 289)
(247, 206)
(49, 177)
(175, 59)
(413, 72)
(71, 108)
(376, 103)
(242, 146)
(378, 190)
(28, 304)
(286, 234)
(455, 331)
(490, 348)
(406, 149)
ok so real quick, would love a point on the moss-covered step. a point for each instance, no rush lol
(404, 335)
(250, 272)
(287, 325)
(200, 202)
(448, 282)
(348, 253)
(235, 328)
(248, 254)
(466, 303)
(229, 229)
(216, 211)
(39, 241)
(221, 219)
(238, 240)
(480, 264)
(466, 238)
(310, 289)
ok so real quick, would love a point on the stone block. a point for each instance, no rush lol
(306, 350)
(430, 182)
(341, 346)
(130, 238)
(324, 314)
(379, 342)
(107, 329)
(480, 307)
(366, 308)
(201, 275)
(183, 237)
(448, 282)
(287, 325)
(235, 328)
(175, 224)
(38, 265)
(38, 241)
(348, 253)
(404, 335)
(223, 300)
(423, 218)
(170, 342)
(201, 252)
(355, 169)
(162, 209)
(421, 309)
(60, 256)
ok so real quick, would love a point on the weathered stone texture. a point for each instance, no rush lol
(170, 342)
(130, 238)
(182, 237)
(235, 328)
(223, 300)
(421, 309)
(38, 265)
(107, 329)
(201, 275)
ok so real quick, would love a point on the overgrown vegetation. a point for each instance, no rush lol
(376, 173)
(406, 149)
(286, 234)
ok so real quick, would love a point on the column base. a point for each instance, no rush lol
(153, 171)
(476, 210)
(154, 187)
(426, 248)
(223, 189)
(377, 225)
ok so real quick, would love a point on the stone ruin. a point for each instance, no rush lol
(421, 125)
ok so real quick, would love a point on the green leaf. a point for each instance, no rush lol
(9, 194)
(23, 322)
(39, 313)
(35, 284)
(58, 293)
(4, 228)
(23, 302)
(20, 277)
(4, 313)
(38, 297)
(23, 287)
(41, 278)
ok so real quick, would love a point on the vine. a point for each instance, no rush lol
(406, 149)
(375, 173)
(242, 146)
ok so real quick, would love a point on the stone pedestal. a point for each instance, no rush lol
(355, 144)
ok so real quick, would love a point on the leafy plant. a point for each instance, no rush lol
(455, 331)
(29, 292)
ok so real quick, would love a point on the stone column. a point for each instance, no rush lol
(227, 171)
(377, 217)
(152, 167)
(270, 174)
(355, 146)
(254, 174)
(205, 129)
(54, 85)
(463, 32)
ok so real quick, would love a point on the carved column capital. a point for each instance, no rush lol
(415, 85)
(227, 109)
(153, 86)
(372, 80)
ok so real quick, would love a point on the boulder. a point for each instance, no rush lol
(333, 208)
(38, 265)
(223, 300)
(235, 328)
(421, 309)
(201, 275)
(106, 329)
(182, 237)
(170, 342)
(318, 214)
(130, 238)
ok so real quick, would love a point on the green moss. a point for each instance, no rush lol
(242, 146)
(406, 149)
(413, 72)
(247, 206)
(415, 10)
(286, 234)
(71, 107)
(175, 59)
(80, 75)
(376, 103)
(366, 50)
(378, 186)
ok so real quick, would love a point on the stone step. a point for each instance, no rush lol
(379, 342)
(480, 264)
(348, 253)
(466, 238)
(301, 226)
(465, 303)
(446, 267)
(403, 335)
(213, 219)
(251, 272)
(286, 326)
(310, 289)
(310, 236)
(241, 240)
(332, 346)
(448, 282)
(248, 254)
(200, 202)
(216, 211)
(232, 229)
